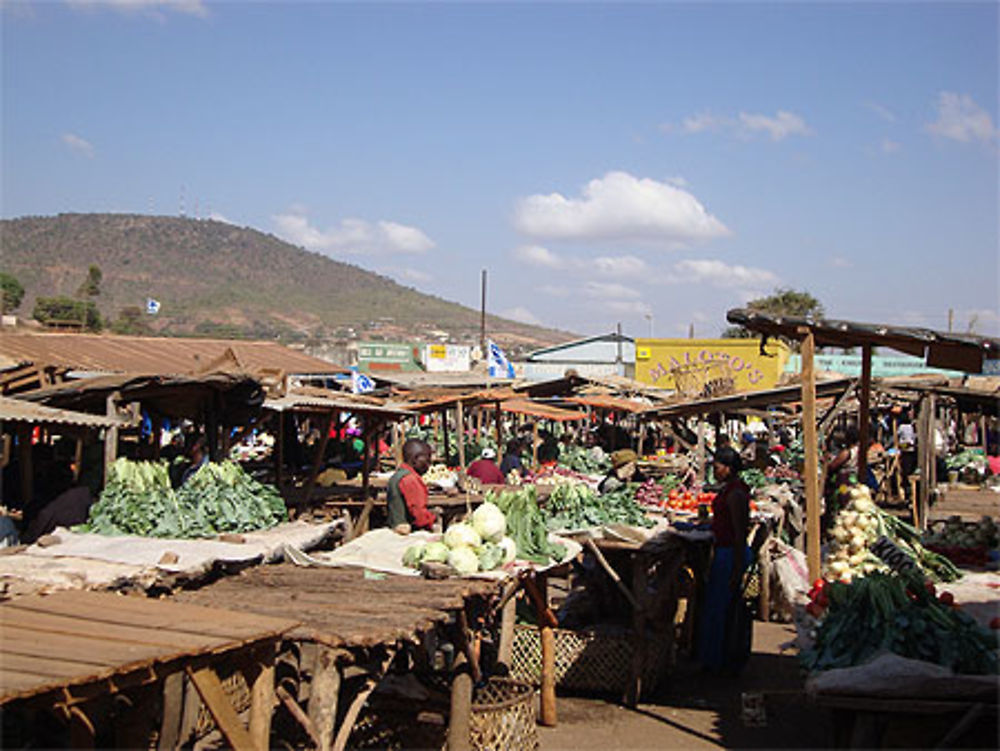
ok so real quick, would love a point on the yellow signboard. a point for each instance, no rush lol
(678, 363)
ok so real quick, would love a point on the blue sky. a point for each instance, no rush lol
(654, 164)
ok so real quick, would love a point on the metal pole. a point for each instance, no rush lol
(482, 317)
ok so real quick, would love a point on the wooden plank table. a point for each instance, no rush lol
(69, 648)
(352, 626)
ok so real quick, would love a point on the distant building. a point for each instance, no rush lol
(376, 357)
(595, 356)
(687, 365)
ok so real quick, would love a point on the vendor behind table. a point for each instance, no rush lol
(406, 493)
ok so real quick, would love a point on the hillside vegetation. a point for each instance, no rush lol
(213, 278)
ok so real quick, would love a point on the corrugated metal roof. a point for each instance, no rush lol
(941, 349)
(15, 410)
(336, 402)
(138, 354)
(613, 338)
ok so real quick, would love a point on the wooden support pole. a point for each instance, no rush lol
(864, 413)
(498, 415)
(447, 444)
(110, 434)
(508, 615)
(296, 712)
(702, 461)
(323, 697)
(351, 716)
(262, 697)
(369, 427)
(320, 456)
(547, 715)
(173, 707)
(925, 456)
(460, 430)
(25, 464)
(460, 711)
(212, 693)
(811, 456)
(279, 469)
(633, 691)
(78, 458)
(534, 445)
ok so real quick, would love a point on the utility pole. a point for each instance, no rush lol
(482, 317)
(951, 318)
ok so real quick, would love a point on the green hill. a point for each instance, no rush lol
(213, 278)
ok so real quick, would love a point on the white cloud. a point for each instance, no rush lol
(890, 147)
(779, 127)
(839, 262)
(79, 145)
(883, 112)
(621, 266)
(554, 290)
(721, 274)
(352, 236)
(536, 255)
(745, 125)
(610, 291)
(619, 206)
(217, 217)
(629, 307)
(150, 7)
(522, 314)
(961, 119)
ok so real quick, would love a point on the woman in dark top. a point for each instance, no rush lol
(724, 636)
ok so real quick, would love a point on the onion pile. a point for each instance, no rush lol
(856, 527)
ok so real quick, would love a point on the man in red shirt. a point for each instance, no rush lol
(406, 496)
(485, 468)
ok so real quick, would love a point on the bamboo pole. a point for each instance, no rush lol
(811, 456)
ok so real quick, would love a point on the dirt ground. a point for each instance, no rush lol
(695, 710)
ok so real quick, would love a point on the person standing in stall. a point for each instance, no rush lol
(407, 495)
(725, 630)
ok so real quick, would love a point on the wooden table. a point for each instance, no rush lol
(352, 626)
(68, 650)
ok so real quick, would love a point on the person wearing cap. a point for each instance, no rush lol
(485, 468)
(624, 469)
(724, 636)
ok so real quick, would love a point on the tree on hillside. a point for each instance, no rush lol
(65, 311)
(131, 321)
(784, 302)
(91, 286)
(13, 293)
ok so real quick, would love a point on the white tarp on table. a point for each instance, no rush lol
(192, 555)
(382, 550)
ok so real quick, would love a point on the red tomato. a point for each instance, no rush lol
(930, 589)
(946, 598)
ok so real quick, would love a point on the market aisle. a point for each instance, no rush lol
(697, 711)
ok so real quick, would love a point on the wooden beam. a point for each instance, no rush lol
(363, 520)
(460, 711)
(212, 693)
(925, 453)
(498, 416)
(864, 412)
(323, 697)
(460, 419)
(534, 445)
(262, 696)
(110, 434)
(320, 455)
(811, 457)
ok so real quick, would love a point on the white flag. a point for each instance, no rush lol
(499, 365)
(361, 383)
(152, 306)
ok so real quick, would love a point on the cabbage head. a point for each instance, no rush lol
(488, 520)
(509, 548)
(490, 556)
(413, 555)
(461, 534)
(435, 552)
(464, 560)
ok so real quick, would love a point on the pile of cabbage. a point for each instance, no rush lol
(479, 544)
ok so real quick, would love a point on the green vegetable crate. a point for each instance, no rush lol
(588, 661)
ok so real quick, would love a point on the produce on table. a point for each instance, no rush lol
(754, 477)
(439, 474)
(782, 473)
(489, 522)
(571, 507)
(526, 525)
(461, 534)
(650, 494)
(899, 614)
(963, 459)
(463, 549)
(858, 525)
(583, 460)
(680, 499)
(219, 497)
(961, 543)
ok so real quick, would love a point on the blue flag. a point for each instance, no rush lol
(361, 383)
(152, 306)
(499, 365)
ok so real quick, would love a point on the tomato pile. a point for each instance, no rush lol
(687, 500)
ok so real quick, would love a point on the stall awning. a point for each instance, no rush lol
(540, 411)
(613, 403)
(965, 352)
(335, 402)
(415, 403)
(15, 410)
(745, 399)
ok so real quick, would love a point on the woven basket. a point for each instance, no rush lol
(586, 661)
(237, 691)
(503, 717)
